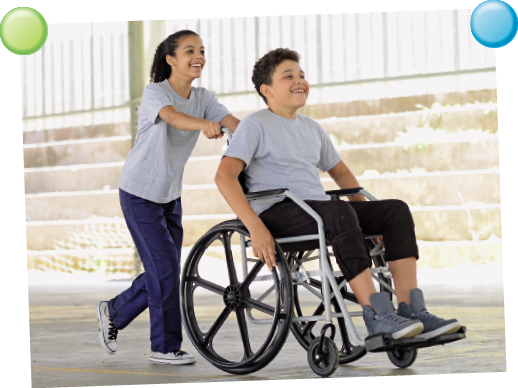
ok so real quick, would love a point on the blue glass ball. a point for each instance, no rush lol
(494, 23)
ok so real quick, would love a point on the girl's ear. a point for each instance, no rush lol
(170, 60)
(265, 90)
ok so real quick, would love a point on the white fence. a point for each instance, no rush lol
(84, 67)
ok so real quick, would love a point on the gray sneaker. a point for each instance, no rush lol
(381, 318)
(178, 357)
(107, 331)
(433, 325)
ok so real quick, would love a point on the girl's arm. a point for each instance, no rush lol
(263, 245)
(345, 179)
(229, 122)
(184, 122)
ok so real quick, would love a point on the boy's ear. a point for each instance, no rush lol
(265, 90)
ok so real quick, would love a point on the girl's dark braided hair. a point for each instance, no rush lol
(160, 69)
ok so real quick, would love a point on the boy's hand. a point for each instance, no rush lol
(377, 241)
(263, 246)
(211, 129)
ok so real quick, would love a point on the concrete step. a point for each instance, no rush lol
(433, 223)
(77, 132)
(83, 151)
(432, 255)
(385, 127)
(377, 128)
(392, 105)
(424, 189)
(78, 177)
(388, 157)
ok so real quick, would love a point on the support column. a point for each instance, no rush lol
(143, 39)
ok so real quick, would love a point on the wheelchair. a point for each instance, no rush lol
(276, 301)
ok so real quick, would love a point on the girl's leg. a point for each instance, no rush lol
(159, 255)
(129, 304)
(173, 315)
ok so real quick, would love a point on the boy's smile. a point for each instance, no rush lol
(288, 91)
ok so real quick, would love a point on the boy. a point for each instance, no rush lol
(278, 148)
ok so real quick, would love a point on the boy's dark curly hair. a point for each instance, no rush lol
(265, 67)
(160, 69)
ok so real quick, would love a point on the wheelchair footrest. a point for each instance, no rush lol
(384, 342)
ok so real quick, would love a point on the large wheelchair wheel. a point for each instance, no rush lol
(263, 296)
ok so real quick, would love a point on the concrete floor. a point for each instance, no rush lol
(65, 349)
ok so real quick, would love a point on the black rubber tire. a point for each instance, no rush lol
(303, 332)
(402, 358)
(348, 352)
(325, 364)
(282, 312)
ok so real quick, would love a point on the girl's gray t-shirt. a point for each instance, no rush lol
(283, 153)
(155, 164)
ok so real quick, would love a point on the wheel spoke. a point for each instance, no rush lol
(207, 285)
(232, 276)
(217, 325)
(241, 321)
(260, 306)
(251, 275)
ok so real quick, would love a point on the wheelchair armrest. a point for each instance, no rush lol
(266, 193)
(335, 194)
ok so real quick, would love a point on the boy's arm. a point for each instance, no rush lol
(229, 122)
(263, 245)
(345, 179)
(184, 122)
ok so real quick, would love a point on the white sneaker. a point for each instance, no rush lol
(174, 358)
(107, 331)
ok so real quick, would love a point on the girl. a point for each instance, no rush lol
(173, 113)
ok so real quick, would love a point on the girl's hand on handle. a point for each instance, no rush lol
(211, 129)
(263, 246)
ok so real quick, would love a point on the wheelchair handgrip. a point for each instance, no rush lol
(266, 193)
(227, 132)
(335, 194)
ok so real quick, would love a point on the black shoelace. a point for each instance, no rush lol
(112, 331)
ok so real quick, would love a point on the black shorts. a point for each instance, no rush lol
(344, 225)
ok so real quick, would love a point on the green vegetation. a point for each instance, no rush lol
(422, 137)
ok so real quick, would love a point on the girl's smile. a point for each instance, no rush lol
(189, 59)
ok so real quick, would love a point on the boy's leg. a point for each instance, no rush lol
(342, 230)
(392, 219)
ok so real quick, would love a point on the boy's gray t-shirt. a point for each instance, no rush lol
(283, 153)
(154, 167)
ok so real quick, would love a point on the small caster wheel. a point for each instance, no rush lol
(323, 363)
(402, 358)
